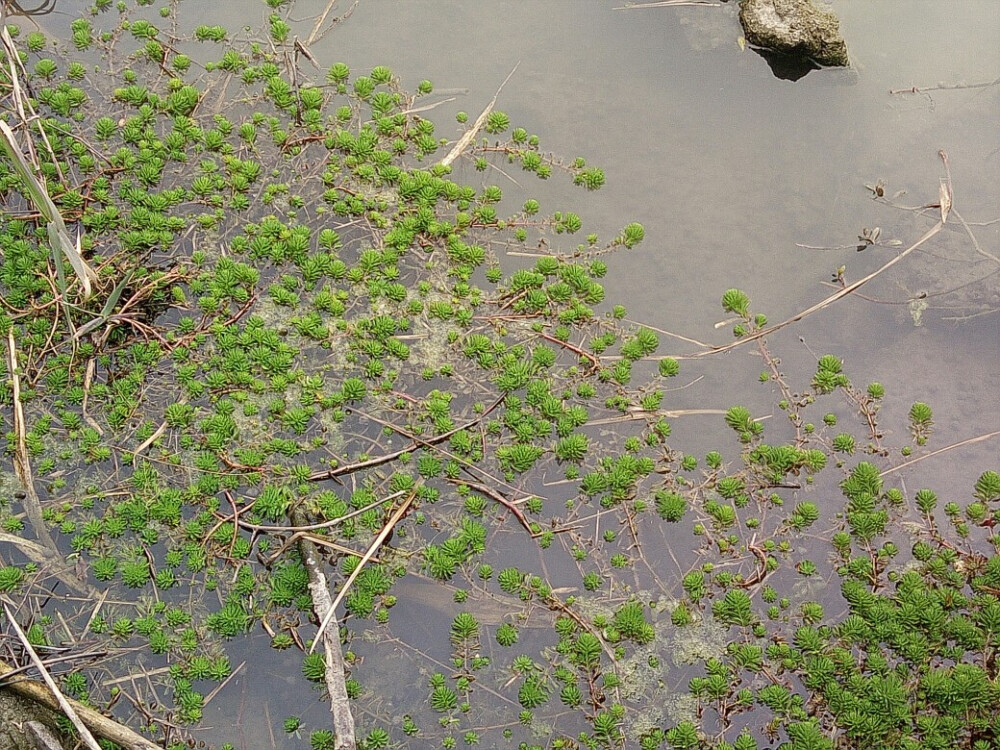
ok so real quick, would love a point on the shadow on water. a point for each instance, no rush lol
(787, 67)
(39, 8)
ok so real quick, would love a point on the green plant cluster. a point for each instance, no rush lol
(910, 664)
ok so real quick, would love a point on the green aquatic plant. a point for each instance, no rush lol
(734, 609)
(506, 634)
(630, 621)
(10, 578)
(987, 487)
(533, 692)
(828, 374)
(443, 699)
(464, 627)
(306, 333)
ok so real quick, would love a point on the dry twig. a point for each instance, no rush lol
(315, 33)
(939, 451)
(945, 87)
(397, 515)
(666, 4)
(335, 676)
(387, 457)
(470, 134)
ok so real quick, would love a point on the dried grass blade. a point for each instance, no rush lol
(58, 236)
(22, 463)
(315, 33)
(465, 140)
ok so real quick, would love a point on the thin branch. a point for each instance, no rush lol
(595, 361)
(387, 457)
(335, 674)
(945, 87)
(666, 4)
(637, 414)
(975, 242)
(222, 685)
(670, 333)
(372, 549)
(944, 204)
(824, 303)
(959, 444)
(324, 524)
(421, 443)
(315, 539)
(496, 496)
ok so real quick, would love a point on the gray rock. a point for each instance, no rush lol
(41, 736)
(794, 27)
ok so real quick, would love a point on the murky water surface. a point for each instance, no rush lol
(732, 171)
